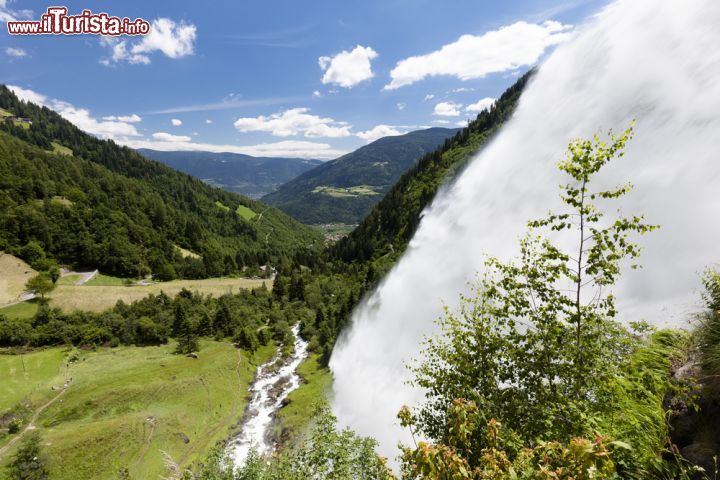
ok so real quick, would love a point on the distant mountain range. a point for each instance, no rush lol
(250, 176)
(344, 190)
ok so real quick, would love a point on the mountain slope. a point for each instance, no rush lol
(251, 176)
(345, 189)
(107, 207)
(386, 231)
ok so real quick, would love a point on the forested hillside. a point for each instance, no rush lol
(345, 189)
(390, 225)
(95, 204)
(244, 174)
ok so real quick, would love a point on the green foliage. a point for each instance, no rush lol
(327, 453)
(29, 461)
(497, 459)
(14, 332)
(41, 284)
(709, 331)
(247, 339)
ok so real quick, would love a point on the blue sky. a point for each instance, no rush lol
(283, 78)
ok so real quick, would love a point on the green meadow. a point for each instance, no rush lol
(129, 407)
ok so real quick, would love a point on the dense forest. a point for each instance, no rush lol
(107, 207)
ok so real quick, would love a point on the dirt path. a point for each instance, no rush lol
(31, 425)
(146, 446)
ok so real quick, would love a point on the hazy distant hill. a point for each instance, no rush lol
(344, 190)
(251, 176)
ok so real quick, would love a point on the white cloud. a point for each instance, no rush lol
(317, 94)
(440, 121)
(378, 131)
(461, 90)
(401, 106)
(429, 96)
(27, 95)
(462, 123)
(123, 133)
(176, 122)
(8, 15)
(124, 118)
(208, 121)
(471, 56)
(80, 117)
(447, 109)
(480, 105)
(347, 69)
(286, 148)
(175, 40)
(16, 52)
(169, 137)
(104, 129)
(295, 121)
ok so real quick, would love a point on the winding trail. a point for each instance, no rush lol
(31, 425)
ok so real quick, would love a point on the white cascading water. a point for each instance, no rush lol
(654, 61)
(264, 405)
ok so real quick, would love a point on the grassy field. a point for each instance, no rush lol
(69, 279)
(335, 231)
(103, 292)
(222, 206)
(339, 192)
(245, 212)
(29, 376)
(186, 253)
(60, 149)
(95, 298)
(127, 405)
(294, 418)
(101, 280)
(22, 310)
(14, 273)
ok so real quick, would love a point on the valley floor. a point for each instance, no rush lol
(127, 406)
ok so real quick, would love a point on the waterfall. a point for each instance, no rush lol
(654, 61)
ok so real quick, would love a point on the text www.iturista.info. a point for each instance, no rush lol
(56, 21)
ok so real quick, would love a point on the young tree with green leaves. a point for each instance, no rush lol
(41, 284)
(526, 349)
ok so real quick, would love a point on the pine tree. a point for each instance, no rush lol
(187, 338)
(29, 461)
